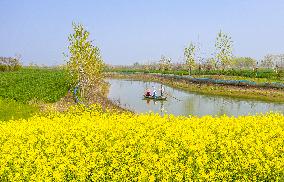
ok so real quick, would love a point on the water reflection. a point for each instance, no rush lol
(130, 95)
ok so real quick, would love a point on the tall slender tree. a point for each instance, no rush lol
(224, 49)
(189, 55)
(84, 61)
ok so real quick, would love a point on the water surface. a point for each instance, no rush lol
(129, 94)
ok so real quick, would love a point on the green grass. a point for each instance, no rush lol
(47, 85)
(10, 109)
(30, 85)
(225, 77)
(264, 75)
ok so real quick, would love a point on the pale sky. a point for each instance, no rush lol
(129, 31)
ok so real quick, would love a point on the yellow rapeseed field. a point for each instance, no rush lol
(92, 145)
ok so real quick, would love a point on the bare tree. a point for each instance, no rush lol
(224, 48)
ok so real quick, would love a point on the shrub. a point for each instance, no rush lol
(9, 64)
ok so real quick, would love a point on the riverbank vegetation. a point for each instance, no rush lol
(262, 75)
(96, 145)
(84, 63)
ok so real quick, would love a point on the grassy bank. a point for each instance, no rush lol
(10, 109)
(96, 145)
(20, 91)
(256, 80)
(260, 76)
(264, 94)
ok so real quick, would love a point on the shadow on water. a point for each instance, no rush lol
(129, 94)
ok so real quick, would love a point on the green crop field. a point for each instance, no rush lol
(47, 85)
(19, 88)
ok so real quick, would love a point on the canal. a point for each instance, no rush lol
(129, 94)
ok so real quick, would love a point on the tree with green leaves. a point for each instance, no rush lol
(224, 49)
(243, 62)
(84, 60)
(189, 55)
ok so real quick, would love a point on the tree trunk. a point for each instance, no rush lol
(189, 71)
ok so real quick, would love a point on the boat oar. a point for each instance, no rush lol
(171, 96)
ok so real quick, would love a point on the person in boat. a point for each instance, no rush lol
(148, 92)
(154, 92)
(162, 90)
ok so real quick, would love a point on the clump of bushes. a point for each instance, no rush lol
(9, 64)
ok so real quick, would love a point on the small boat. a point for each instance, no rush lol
(155, 98)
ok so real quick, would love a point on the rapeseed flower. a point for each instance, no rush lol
(91, 145)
